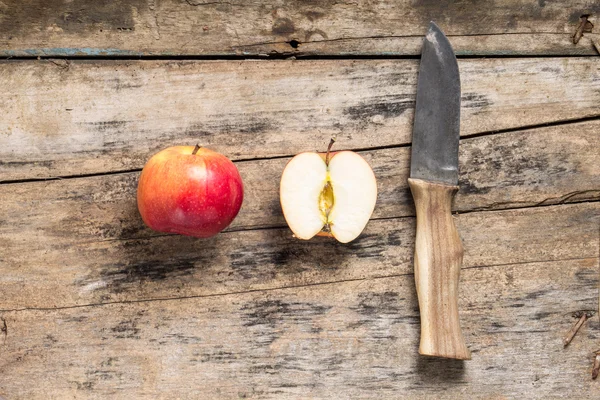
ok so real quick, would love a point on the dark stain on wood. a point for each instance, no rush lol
(265, 316)
(75, 319)
(283, 26)
(51, 339)
(107, 370)
(475, 100)
(471, 188)
(591, 9)
(76, 16)
(152, 261)
(389, 108)
(537, 294)
(85, 385)
(314, 15)
(124, 275)
(497, 325)
(103, 126)
(374, 308)
(520, 168)
(587, 277)
(394, 238)
(466, 12)
(439, 372)
(281, 254)
(376, 304)
(126, 330)
(368, 245)
(180, 339)
(215, 355)
(542, 315)
(552, 70)
(253, 126)
(249, 261)
(273, 312)
(20, 164)
(126, 229)
(230, 124)
(4, 327)
(275, 254)
(288, 257)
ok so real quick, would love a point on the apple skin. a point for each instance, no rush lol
(190, 194)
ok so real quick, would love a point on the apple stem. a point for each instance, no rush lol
(331, 142)
(198, 147)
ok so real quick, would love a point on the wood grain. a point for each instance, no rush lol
(95, 305)
(95, 117)
(438, 261)
(346, 340)
(68, 274)
(203, 27)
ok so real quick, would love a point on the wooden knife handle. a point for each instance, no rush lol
(438, 259)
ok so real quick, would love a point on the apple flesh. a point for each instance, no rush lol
(189, 190)
(332, 196)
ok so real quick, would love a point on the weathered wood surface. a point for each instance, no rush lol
(540, 166)
(63, 275)
(237, 27)
(95, 305)
(344, 340)
(95, 117)
(76, 239)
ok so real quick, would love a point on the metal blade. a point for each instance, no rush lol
(437, 113)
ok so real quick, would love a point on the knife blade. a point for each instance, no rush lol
(433, 182)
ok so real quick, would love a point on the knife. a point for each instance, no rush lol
(433, 182)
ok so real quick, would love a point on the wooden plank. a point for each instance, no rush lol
(102, 116)
(202, 27)
(344, 340)
(67, 274)
(490, 45)
(538, 167)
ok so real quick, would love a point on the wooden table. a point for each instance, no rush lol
(95, 305)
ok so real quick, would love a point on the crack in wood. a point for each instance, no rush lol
(211, 3)
(4, 328)
(377, 37)
(551, 201)
(280, 288)
(357, 149)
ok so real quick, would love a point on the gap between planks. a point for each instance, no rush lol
(568, 121)
(283, 56)
(280, 288)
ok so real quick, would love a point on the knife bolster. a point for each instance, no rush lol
(438, 259)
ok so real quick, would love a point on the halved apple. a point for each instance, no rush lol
(330, 194)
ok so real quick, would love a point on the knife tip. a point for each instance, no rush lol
(433, 27)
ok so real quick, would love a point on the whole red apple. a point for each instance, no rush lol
(189, 190)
